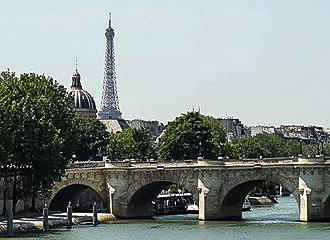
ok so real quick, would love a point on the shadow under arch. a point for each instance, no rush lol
(81, 197)
(325, 209)
(231, 205)
(140, 204)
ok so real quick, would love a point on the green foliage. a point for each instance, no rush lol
(174, 188)
(265, 188)
(93, 138)
(265, 145)
(276, 146)
(316, 148)
(326, 148)
(190, 134)
(37, 135)
(142, 143)
(130, 143)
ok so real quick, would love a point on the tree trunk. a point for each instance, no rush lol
(4, 192)
(33, 204)
(14, 192)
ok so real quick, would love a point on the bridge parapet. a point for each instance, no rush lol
(271, 162)
(131, 164)
(86, 164)
(266, 160)
(248, 161)
(313, 160)
(149, 164)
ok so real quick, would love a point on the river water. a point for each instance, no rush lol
(265, 223)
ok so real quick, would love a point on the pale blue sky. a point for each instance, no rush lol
(266, 62)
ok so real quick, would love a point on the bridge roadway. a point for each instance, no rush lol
(127, 188)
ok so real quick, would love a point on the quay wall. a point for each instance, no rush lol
(29, 225)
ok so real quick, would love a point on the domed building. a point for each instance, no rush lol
(83, 102)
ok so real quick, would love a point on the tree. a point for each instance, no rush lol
(142, 143)
(6, 158)
(36, 117)
(93, 138)
(245, 147)
(130, 143)
(276, 146)
(189, 135)
(325, 147)
(265, 145)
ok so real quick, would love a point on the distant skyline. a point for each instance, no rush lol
(264, 62)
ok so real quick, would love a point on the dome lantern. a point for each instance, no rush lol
(76, 84)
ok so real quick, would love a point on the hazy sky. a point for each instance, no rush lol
(263, 61)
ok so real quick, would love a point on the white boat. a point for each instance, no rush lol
(192, 208)
(246, 205)
(173, 203)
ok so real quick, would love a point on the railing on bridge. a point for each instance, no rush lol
(261, 160)
(86, 164)
(194, 162)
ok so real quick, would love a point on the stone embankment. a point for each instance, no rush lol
(34, 223)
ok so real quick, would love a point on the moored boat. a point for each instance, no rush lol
(192, 208)
(174, 203)
(246, 205)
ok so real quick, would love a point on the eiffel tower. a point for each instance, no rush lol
(109, 102)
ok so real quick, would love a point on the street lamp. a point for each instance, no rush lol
(133, 152)
(301, 147)
(221, 145)
(115, 153)
(322, 150)
(200, 151)
(100, 153)
(241, 155)
(74, 157)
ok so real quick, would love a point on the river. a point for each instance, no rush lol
(265, 223)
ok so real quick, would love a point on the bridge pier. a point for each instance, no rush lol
(303, 204)
(312, 209)
(313, 192)
(117, 195)
(208, 197)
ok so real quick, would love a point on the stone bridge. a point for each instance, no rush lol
(127, 188)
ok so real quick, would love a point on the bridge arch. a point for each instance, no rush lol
(142, 193)
(81, 194)
(234, 193)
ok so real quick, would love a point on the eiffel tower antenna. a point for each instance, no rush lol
(109, 19)
(76, 64)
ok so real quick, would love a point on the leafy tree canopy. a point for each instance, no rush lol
(265, 145)
(130, 143)
(189, 135)
(37, 133)
(93, 138)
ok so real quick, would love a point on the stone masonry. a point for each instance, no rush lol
(220, 186)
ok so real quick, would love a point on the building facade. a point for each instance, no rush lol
(154, 127)
(233, 128)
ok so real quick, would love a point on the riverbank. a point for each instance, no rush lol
(29, 224)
